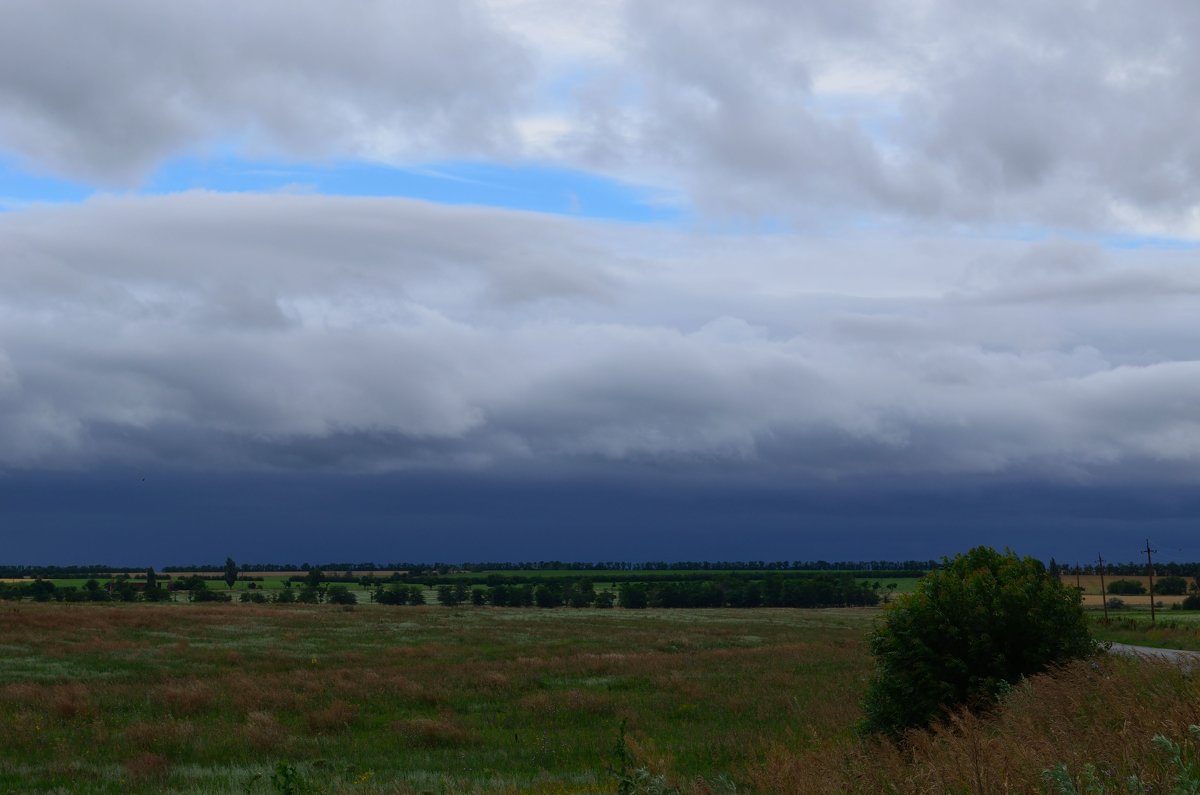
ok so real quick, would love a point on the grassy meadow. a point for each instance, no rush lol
(244, 698)
(145, 698)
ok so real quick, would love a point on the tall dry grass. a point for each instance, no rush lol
(1102, 712)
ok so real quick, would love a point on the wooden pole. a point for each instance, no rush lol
(1150, 571)
(1103, 593)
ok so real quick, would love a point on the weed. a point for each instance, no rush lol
(1182, 762)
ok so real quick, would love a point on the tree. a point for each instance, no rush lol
(632, 596)
(1127, 587)
(340, 595)
(231, 572)
(979, 623)
(1170, 586)
(151, 579)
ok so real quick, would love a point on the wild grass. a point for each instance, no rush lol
(240, 698)
(151, 698)
(1101, 712)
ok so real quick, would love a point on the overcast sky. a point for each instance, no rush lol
(518, 279)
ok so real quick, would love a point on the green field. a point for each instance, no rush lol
(120, 698)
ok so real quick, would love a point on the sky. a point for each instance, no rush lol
(610, 280)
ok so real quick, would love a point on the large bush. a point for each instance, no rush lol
(982, 621)
(1127, 587)
(1171, 586)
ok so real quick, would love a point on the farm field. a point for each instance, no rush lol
(147, 698)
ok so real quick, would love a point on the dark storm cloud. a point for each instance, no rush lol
(304, 333)
(106, 91)
(131, 517)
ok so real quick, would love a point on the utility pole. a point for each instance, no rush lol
(1150, 571)
(1103, 593)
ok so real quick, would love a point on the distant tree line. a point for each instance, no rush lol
(773, 591)
(193, 589)
(492, 580)
(868, 568)
(1126, 569)
(438, 568)
(119, 589)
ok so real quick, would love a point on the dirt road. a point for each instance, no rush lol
(1185, 659)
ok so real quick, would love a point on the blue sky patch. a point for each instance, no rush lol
(19, 187)
(518, 187)
(534, 188)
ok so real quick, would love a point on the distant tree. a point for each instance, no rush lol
(151, 578)
(478, 597)
(1054, 570)
(41, 590)
(314, 577)
(155, 594)
(605, 599)
(310, 594)
(231, 572)
(446, 595)
(547, 595)
(396, 595)
(1192, 602)
(121, 589)
(340, 595)
(205, 595)
(1170, 586)
(632, 596)
(416, 595)
(1127, 587)
(982, 621)
(581, 594)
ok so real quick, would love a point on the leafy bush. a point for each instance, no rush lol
(1192, 602)
(971, 628)
(1115, 603)
(1127, 587)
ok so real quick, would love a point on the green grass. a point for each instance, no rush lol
(1173, 629)
(145, 698)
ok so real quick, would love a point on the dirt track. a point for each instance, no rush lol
(1186, 659)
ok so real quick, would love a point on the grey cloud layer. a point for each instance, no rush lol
(303, 332)
(105, 92)
(1064, 113)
